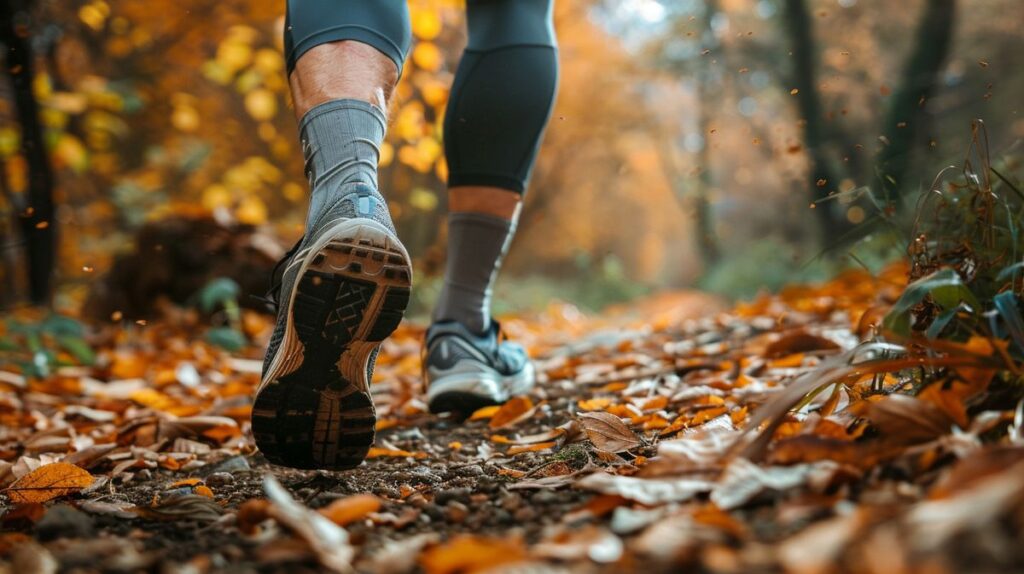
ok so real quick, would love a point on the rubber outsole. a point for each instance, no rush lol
(461, 404)
(314, 409)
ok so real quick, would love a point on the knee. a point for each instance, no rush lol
(382, 24)
(501, 23)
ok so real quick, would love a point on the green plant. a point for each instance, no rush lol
(38, 347)
(222, 293)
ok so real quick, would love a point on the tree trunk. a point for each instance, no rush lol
(36, 210)
(704, 225)
(906, 116)
(823, 177)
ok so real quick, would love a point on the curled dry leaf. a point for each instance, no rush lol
(191, 507)
(743, 480)
(351, 508)
(700, 448)
(379, 452)
(608, 432)
(909, 420)
(216, 428)
(521, 448)
(327, 540)
(799, 341)
(646, 490)
(251, 513)
(516, 410)
(48, 482)
(593, 543)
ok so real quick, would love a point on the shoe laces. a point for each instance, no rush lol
(272, 298)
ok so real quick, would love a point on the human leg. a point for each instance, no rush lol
(500, 103)
(344, 287)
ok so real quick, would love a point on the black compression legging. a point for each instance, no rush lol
(504, 88)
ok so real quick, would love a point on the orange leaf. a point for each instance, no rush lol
(351, 508)
(595, 404)
(521, 448)
(48, 482)
(468, 553)
(515, 410)
(484, 413)
(251, 513)
(376, 452)
(789, 361)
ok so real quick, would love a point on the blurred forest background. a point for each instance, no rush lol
(732, 145)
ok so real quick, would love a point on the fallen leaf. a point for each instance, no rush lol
(591, 542)
(798, 341)
(399, 557)
(468, 553)
(646, 490)
(909, 420)
(608, 432)
(743, 480)
(378, 452)
(351, 508)
(484, 413)
(49, 482)
(517, 409)
(327, 540)
(521, 448)
(191, 507)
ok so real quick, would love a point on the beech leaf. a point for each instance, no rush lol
(49, 482)
(608, 432)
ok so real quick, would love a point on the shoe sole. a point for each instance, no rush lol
(314, 409)
(465, 392)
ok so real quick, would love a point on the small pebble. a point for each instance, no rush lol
(457, 512)
(220, 479)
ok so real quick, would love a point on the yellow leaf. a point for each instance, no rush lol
(423, 199)
(252, 210)
(595, 404)
(426, 23)
(215, 196)
(48, 482)
(261, 104)
(234, 55)
(427, 56)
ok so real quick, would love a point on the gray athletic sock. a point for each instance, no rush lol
(476, 245)
(341, 142)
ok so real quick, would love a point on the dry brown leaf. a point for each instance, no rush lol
(216, 428)
(351, 508)
(514, 411)
(251, 513)
(467, 553)
(608, 432)
(49, 482)
(192, 507)
(909, 420)
(327, 540)
(798, 341)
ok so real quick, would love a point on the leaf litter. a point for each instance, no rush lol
(774, 436)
